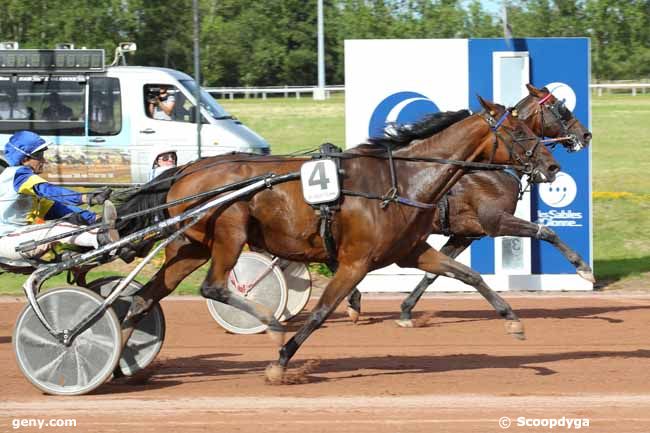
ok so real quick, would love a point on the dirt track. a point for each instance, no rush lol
(586, 357)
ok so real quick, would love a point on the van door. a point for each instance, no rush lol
(159, 131)
(108, 133)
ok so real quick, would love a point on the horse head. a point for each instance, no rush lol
(548, 116)
(513, 142)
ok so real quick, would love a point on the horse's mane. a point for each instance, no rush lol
(149, 195)
(400, 136)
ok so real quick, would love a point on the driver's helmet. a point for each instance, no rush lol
(21, 145)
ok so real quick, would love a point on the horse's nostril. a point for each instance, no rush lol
(587, 136)
(554, 169)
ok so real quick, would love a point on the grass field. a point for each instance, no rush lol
(621, 167)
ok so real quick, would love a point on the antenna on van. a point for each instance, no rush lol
(121, 50)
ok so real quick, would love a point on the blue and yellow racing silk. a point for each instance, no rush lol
(26, 198)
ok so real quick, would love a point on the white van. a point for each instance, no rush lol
(98, 118)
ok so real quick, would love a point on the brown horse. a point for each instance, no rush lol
(483, 203)
(368, 235)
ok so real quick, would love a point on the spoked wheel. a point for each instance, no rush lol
(54, 367)
(256, 277)
(298, 288)
(149, 334)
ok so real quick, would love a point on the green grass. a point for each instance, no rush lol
(621, 144)
(292, 124)
(621, 163)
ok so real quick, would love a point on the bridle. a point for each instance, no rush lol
(562, 117)
(497, 126)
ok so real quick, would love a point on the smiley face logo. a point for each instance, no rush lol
(399, 108)
(559, 193)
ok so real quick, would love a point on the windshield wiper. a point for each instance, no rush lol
(224, 117)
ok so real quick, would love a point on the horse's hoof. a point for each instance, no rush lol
(405, 323)
(516, 329)
(353, 314)
(587, 275)
(274, 373)
(277, 337)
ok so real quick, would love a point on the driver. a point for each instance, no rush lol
(27, 199)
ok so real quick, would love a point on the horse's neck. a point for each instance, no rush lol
(462, 141)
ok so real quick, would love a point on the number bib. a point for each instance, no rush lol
(320, 181)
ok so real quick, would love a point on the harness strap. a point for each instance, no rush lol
(325, 230)
(393, 198)
(443, 209)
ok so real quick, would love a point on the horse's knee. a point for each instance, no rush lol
(216, 292)
(546, 234)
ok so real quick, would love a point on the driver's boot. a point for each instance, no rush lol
(109, 234)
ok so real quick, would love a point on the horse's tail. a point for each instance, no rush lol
(148, 196)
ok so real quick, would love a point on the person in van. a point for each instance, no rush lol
(56, 110)
(161, 106)
(27, 199)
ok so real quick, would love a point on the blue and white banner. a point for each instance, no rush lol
(402, 80)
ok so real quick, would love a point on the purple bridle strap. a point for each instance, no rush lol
(501, 120)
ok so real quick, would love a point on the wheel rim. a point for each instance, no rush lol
(271, 291)
(298, 281)
(67, 370)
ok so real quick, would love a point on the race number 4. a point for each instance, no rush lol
(320, 181)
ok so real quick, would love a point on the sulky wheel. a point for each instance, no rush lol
(257, 278)
(147, 338)
(80, 367)
(298, 287)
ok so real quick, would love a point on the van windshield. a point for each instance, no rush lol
(207, 101)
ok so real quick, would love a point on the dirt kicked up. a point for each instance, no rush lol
(585, 366)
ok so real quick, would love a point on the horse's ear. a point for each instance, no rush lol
(533, 90)
(487, 105)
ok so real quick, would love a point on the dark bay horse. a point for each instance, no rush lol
(367, 235)
(483, 203)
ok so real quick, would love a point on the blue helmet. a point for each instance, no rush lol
(21, 145)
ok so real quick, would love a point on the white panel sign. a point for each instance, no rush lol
(320, 181)
(387, 80)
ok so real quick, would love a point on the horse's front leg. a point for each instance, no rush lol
(344, 280)
(454, 246)
(428, 259)
(509, 225)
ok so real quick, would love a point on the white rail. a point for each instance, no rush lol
(617, 86)
(254, 92)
